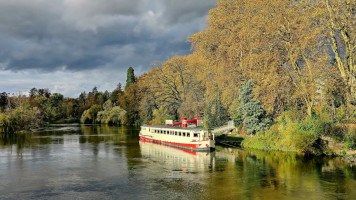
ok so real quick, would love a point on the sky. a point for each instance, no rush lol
(70, 46)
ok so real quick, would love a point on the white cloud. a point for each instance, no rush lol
(65, 82)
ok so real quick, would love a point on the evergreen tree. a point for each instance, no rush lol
(130, 77)
(215, 114)
(250, 112)
(119, 87)
(106, 95)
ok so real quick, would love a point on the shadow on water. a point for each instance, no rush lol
(107, 162)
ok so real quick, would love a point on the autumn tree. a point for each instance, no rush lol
(240, 43)
(116, 94)
(338, 21)
(277, 43)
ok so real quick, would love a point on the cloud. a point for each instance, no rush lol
(77, 36)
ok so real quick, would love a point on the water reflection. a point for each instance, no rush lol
(104, 162)
(177, 159)
(278, 175)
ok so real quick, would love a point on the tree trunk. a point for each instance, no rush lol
(309, 109)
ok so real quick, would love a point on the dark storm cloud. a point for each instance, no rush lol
(85, 34)
(185, 10)
(72, 45)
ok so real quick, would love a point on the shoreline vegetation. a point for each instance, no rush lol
(283, 71)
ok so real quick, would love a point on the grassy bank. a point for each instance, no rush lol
(315, 135)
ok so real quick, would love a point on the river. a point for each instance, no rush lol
(103, 162)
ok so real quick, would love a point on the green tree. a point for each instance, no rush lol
(130, 103)
(215, 114)
(45, 92)
(106, 95)
(130, 77)
(33, 92)
(250, 111)
(3, 101)
(113, 115)
(90, 115)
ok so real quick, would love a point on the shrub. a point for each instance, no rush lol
(334, 130)
(343, 153)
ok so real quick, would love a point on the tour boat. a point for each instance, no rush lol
(180, 135)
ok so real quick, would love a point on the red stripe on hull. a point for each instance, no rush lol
(194, 146)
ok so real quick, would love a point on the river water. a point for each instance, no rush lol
(102, 162)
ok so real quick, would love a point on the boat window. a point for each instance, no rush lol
(175, 133)
(180, 133)
(195, 134)
(188, 134)
(184, 134)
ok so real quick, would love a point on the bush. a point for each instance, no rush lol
(290, 133)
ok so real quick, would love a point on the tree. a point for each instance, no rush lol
(45, 92)
(338, 22)
(116, 94)
(119, 87)
(215, 114)
(250, 111)
(33, 92)
(106, 95)
(3, 101)
(130, 77)
(113, 115)
(95, 91)
(90, 115)
(129, 101)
